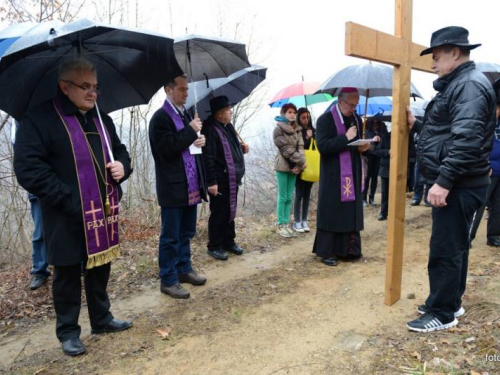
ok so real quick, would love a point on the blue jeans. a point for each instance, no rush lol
(449, 250)
(178, 226)
(38, 256)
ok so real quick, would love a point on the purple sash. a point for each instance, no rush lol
(231, 171)
(101, 230)
(347, 189)
(189, 160)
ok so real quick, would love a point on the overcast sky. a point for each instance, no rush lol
(308, 39)
(295, 39)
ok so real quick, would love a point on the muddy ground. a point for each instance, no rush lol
(274, 310)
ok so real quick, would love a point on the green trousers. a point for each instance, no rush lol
(285, 188)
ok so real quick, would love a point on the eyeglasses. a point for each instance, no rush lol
(85, 87)
(351, 105)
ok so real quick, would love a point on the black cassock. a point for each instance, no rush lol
(338, 223)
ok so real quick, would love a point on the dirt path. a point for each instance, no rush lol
(272, 312)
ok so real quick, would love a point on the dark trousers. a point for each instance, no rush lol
(493, 198)
(178, 226)
(221, 232)
(410, 179)
(302, 198)
(373, 166)
(67, 294)
(420, 187)
(449, 250)
(384, 204)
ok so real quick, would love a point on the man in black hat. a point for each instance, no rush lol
(225, 167)
(456, 137)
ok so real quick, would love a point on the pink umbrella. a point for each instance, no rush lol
(301, 94)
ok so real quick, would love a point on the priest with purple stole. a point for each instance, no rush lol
(61, 156)
(225, 167)
(340, 200)
(180, 186)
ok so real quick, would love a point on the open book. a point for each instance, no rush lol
(360, 142)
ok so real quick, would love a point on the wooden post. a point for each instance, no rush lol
(399, 51)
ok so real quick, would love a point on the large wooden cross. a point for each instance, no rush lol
(399, 51)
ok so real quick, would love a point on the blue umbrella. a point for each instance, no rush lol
(375, 105)
(12, 33)
(236, 87)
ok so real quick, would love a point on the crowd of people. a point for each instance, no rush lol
(72, 163)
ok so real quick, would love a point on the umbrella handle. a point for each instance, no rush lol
(104, 132)
(239, 138)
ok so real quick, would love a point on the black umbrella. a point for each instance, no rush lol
(131, 64)
(202, 58)
(236, 87)
(490, 70)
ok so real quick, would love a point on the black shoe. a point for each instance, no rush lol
(218, 254)
(371, 201)
(427, 204)
(73, 346)
(329, 261)
(175, 291)
(382, 217)
(235, 249)
(429, 323)
(415, 203)
(116, 325)
(192, 278)
(494, 242)
(37, 281)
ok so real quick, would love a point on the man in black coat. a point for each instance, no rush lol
(456, 137)
(180, 186)
(340, 200)
(59, 147)
(225, 167)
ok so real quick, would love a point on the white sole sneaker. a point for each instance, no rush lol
(434, 325)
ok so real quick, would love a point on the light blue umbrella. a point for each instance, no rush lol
(12, 33)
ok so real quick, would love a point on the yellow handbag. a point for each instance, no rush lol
(311, 173)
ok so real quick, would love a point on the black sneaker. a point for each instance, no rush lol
(429, 323)
(423, 309)
(37, 281)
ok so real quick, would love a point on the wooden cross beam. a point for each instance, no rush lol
(399, 51)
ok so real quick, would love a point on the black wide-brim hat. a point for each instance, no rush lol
(219, 102)
(451, 35)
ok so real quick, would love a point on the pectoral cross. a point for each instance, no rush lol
(397, 50)
(93, 211)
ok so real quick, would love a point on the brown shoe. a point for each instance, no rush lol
(175, 291)
(192, 278)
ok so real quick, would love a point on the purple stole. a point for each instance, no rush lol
(231, 171)
(101, 230)
(347, 189)
(194, 196)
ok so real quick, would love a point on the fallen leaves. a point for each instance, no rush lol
(165, 333)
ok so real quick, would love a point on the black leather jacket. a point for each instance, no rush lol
(456, 134)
